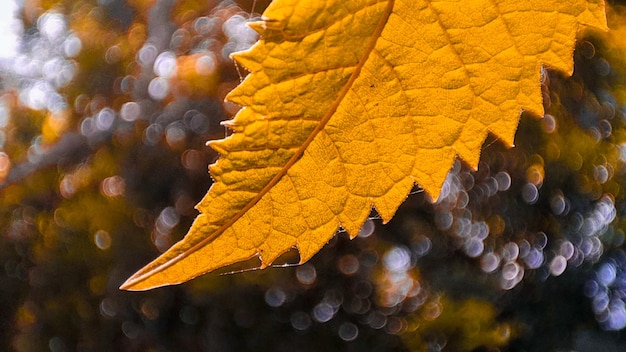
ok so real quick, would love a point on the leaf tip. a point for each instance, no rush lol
(126, 286)
(143, 280)
(139, 281)
(131, 284)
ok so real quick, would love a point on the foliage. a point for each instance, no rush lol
(104, 158)
(346, 107)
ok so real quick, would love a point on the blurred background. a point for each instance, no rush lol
(105, 108)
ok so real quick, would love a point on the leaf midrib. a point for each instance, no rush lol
(322, 124)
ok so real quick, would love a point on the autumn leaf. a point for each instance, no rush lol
(350, 103)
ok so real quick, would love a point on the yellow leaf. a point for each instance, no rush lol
(349, 103)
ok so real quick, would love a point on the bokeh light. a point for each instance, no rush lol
(105, 109)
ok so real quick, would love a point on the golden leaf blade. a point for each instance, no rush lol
(349, 104)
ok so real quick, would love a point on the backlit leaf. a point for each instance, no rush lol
(350, 103)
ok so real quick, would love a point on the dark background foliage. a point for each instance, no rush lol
(105, 109)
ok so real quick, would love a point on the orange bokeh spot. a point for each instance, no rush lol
(197, 76)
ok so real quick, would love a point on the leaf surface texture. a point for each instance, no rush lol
(348, 104)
